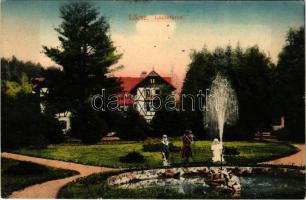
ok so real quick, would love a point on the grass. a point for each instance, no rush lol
(95, 187)
(16, 175)
(251, 152)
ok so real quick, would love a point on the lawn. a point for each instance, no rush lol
(251, 152)
(16, 175)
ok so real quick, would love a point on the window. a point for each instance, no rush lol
(157, 91)
(147, 106)
(63, 124)
(148, 93)
(152, 80)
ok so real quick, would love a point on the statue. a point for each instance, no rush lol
(217, 148)
(165, 150)
(224, 180)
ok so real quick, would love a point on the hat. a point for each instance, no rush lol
(164, 136)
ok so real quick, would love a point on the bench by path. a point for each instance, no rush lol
(49, 189)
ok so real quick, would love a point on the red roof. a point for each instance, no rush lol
(168, 80)
(129, 83)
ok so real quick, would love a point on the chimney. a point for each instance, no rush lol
(143, 74)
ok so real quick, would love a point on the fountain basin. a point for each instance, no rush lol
(194, 179)
(135, 176)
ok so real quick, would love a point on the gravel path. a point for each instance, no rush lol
(49, 189)
(297, 159)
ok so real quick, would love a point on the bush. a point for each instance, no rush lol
(170, 122)
(25, 168)
(154, 145)
(23, 125)
(88, 126)
(231, 151)
(286, 134)
(132, 126)
(132, 157)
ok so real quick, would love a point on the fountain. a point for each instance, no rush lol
(212, 181)
(221, 108)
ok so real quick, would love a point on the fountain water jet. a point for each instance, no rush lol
(221, 106)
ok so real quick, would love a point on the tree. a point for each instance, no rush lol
(252, 80)
(167, 121)
(86, 55)
(88, 126)
(290, 86)
(13, 69)
(23, 124)
(249, 71)
(199, 76)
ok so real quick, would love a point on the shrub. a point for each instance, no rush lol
(23, 124)
(154, 145)
(132, 157)
(88, 126)
(25, 168)
(231, 151)
(132, 126)
(170, 122)
(286, 135)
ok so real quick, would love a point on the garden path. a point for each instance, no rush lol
(297, 159)
(49, 189)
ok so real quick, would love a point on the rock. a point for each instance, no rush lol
(237, 188)
(172, 173)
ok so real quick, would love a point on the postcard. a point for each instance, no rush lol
(152, 99)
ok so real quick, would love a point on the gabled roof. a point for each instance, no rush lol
(128, 83)
(155, 74)
(169, 81)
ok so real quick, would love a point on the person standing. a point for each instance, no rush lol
(216, 148)
(165, 150)
(187, 145)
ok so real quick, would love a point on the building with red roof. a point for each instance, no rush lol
(141, 91)
(138, 92)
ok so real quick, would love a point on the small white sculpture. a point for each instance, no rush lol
(217, 148)
(234, 183)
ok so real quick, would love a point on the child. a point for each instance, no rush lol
(165, 150)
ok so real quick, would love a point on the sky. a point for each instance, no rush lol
(157, 42)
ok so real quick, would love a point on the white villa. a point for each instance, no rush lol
(142, 90)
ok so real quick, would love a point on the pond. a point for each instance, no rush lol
(253, 186)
